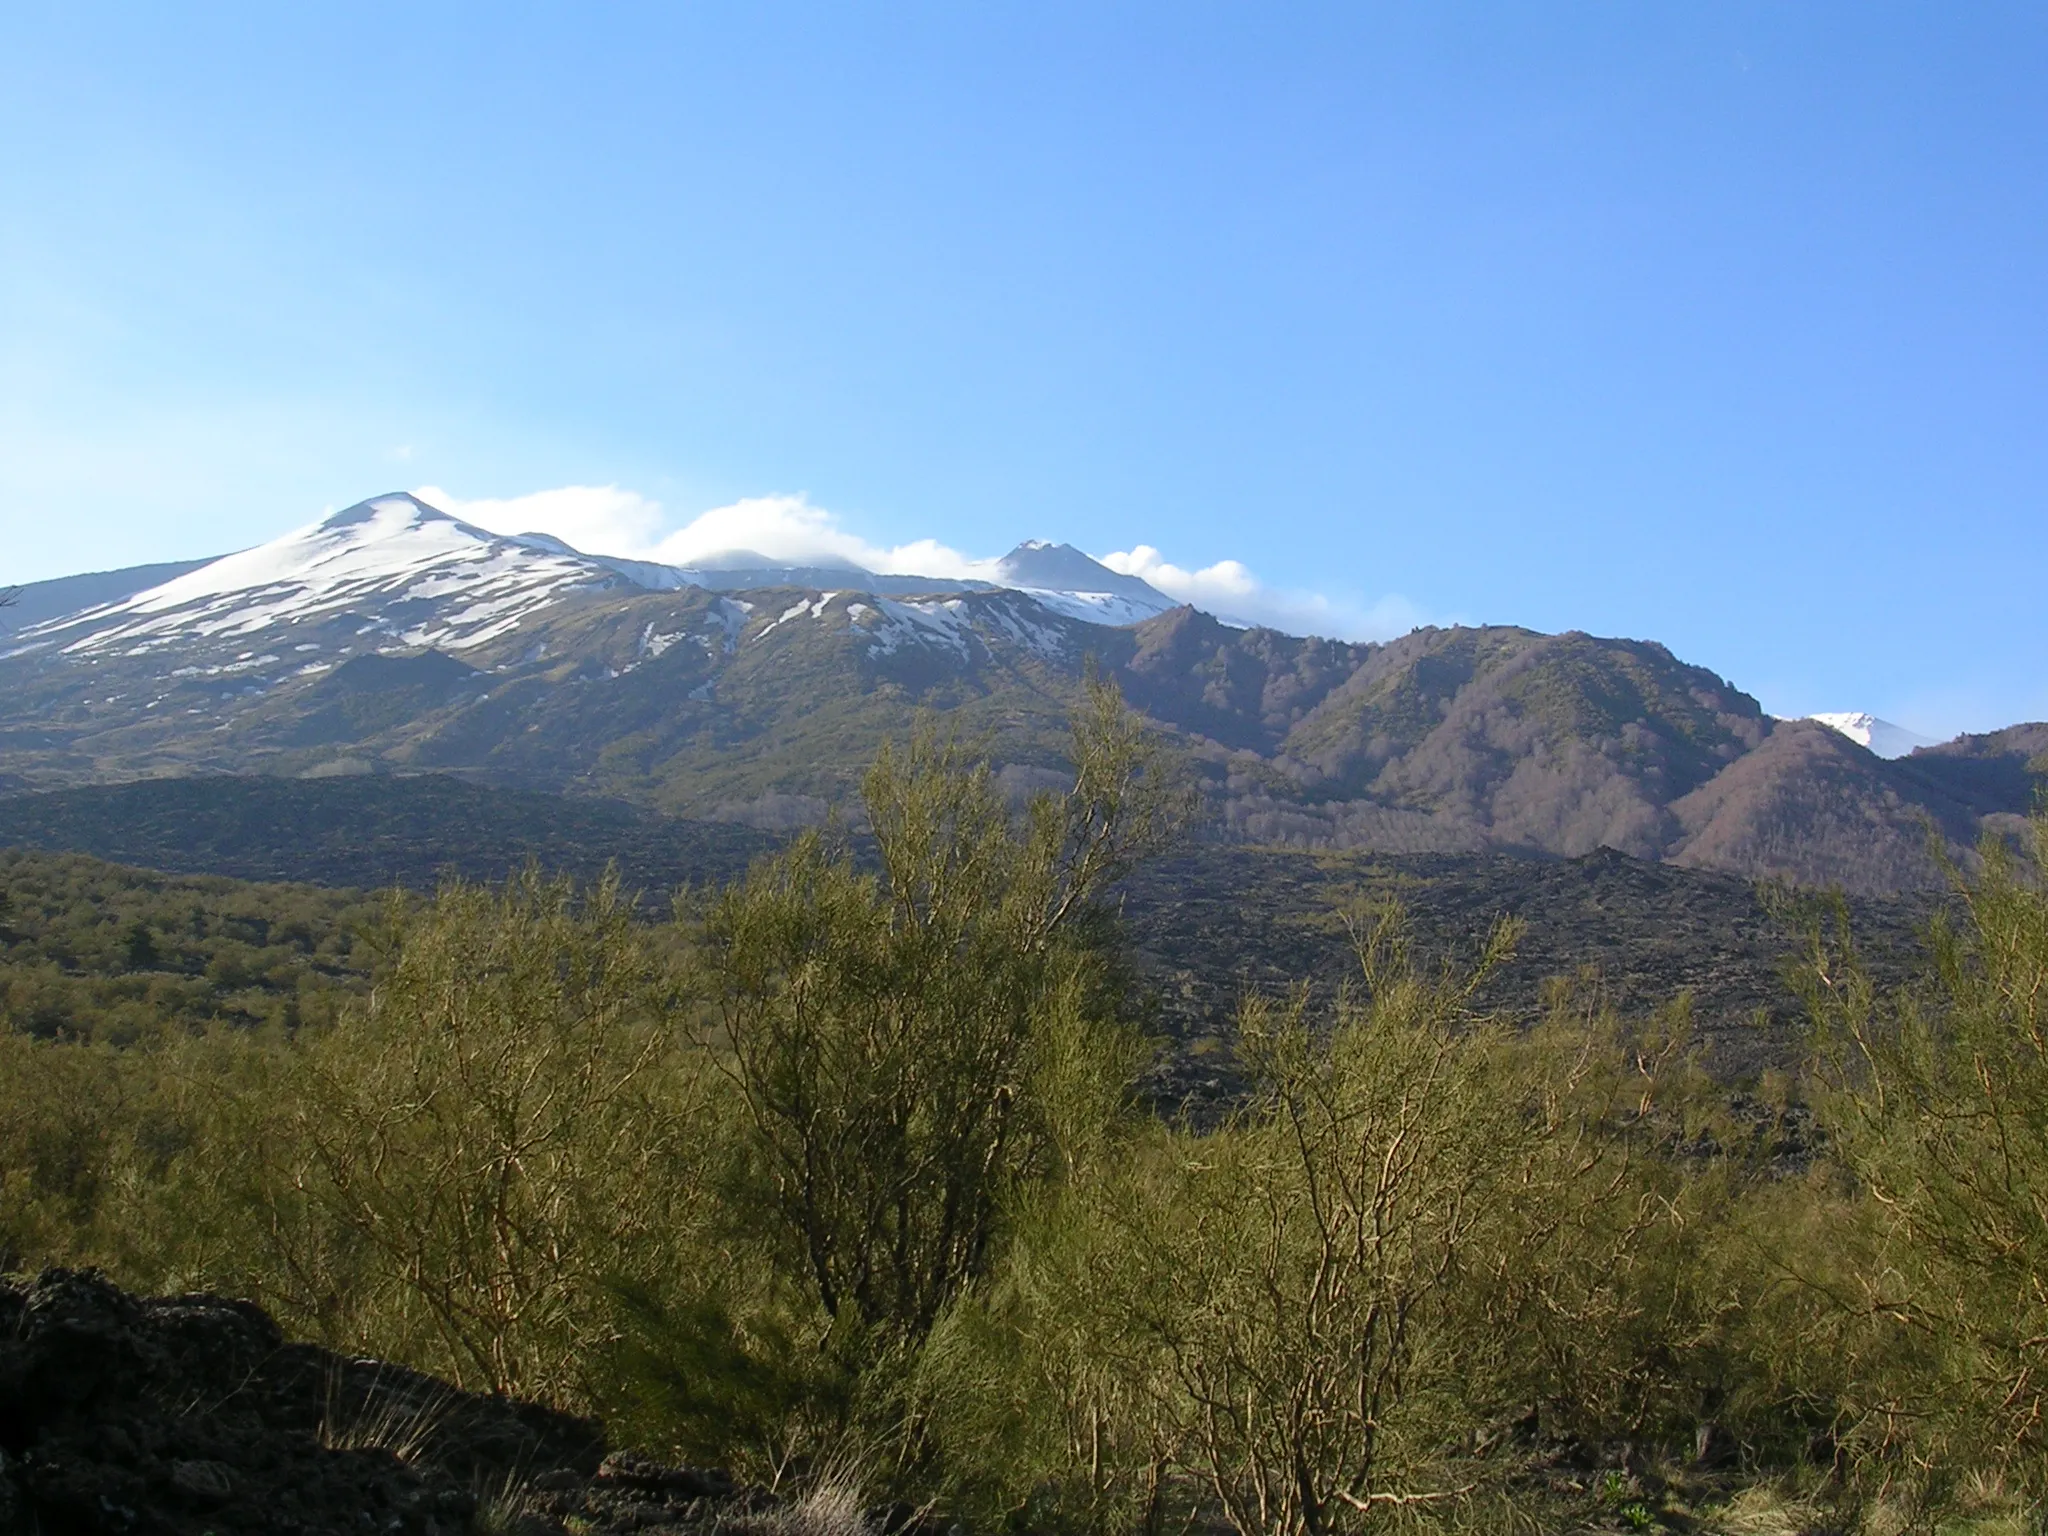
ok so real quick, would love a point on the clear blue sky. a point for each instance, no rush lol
(1719, 324)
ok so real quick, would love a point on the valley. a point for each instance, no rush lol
(1201, 929)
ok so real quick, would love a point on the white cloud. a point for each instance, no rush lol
(1229, 590)
(609, 520)
(600, 519)
(789, 528)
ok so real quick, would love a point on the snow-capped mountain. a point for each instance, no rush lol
(642, 573)
(394, 619)
(1880, 736)
(393, 570)
(1069, 582)
(1058, 576)
(394, 638)
(396, 572)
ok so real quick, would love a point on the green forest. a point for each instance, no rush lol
(95, 952)
(836, 1176)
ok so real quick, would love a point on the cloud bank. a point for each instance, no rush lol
(1229, 590)
(610, 520)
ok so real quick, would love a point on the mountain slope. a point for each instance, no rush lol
(1561, 742)
(1814, 807)
(1999, 773)
(41, 601)
(392, 637)
(765, 707)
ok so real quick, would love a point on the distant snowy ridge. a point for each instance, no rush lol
(398, 572)
(1880, 736)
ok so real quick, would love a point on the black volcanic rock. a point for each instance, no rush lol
(1216, 924)
(194, 1416)
(374, 830)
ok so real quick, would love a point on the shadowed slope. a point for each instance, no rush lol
(1810, 805)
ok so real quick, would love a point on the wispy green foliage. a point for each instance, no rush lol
(1426, 1226)
(916, 1045)
(1937, 1099)
(503, 1127)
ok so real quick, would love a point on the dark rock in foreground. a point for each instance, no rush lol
(184, 1415)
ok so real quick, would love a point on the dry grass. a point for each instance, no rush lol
(502, 1504)
(1771, 1508)
(1795, 1507)
(833, 1506)
(401, 1419)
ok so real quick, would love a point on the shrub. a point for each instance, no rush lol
(1936, 1100)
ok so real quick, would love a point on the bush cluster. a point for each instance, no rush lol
(94, 951)
(838, 1176)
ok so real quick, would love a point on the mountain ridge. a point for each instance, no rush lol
(328, 558)
(394, 638)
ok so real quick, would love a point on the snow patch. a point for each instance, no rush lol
(939, 624)
(652, 644)
(815, 606)
(730, 616)
(1112, 608)
(1041, 640)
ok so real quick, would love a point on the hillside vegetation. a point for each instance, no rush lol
(839, 1178)
(90, 951)
(1199, 928)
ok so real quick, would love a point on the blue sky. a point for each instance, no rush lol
(1723, 325)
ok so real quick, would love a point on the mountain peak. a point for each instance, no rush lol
(394, 507)
(1881, 736)
(1063, 578)
(1039, 563)
(392, 567)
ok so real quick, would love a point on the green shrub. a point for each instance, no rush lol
(1318, 1318)
(1936, 1102)
(912, 1050)
(837, 1179)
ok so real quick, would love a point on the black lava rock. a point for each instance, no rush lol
(189, 1415)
